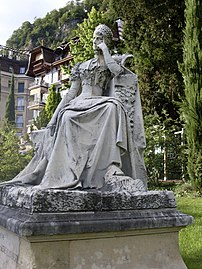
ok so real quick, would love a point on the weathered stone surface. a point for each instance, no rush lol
(56, 201)
(89, 222)
(134, 249)
(9, 249)
(51, 228)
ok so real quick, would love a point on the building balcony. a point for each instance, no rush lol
(38, 66)
(38, 83)
(36, 105)
(38, 88)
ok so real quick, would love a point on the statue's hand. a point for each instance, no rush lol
(102, 46)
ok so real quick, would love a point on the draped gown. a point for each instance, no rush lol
(92, 133)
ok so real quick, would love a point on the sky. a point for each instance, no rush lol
(13, 13)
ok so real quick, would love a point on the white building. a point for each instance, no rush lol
(45, 66)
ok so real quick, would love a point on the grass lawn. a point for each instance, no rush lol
(191, 236)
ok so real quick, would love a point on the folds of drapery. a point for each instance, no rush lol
(90, 135)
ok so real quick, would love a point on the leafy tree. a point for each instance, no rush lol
(53, 100)
(153, 33)
(49, 31)
(10, 105)
(56, 27)
(21, 36)
(11, 160)
(192, 103)
(88, 4)
(83, 50)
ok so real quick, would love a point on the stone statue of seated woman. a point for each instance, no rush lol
(95, 138)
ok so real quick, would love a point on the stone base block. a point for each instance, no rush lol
(139, 249)
(89, 230)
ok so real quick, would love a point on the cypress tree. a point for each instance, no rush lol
(53, 100)
(46, 113)
(10, 104)
(42, 120)
(192, 103)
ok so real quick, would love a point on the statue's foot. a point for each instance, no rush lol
(116, 181)
(114, 170)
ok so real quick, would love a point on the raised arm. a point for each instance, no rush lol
(113, 66)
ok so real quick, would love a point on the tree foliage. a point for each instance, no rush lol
(49, 31)
(83, 50)
(46, 114)
(54, 28)
(10, 104)
(53, 100)
(41, 120)
(11, 160)
(165, 153)
(153, 34)
(192, 74)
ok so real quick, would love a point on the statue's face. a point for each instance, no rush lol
(97, 39)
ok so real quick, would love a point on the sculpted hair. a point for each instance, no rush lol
(105, 31)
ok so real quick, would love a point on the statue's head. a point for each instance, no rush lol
(105, 31)
(102, 32)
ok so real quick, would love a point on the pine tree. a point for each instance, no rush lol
(192, 74)
(10, 105)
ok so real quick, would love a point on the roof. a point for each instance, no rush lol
(41, 59)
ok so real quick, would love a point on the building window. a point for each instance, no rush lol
(20, 103)
(19, 121)
(21, 87)
(22, 70)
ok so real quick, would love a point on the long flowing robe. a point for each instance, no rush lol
(91, 134)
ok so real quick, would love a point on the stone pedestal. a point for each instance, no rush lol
(89, 230)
